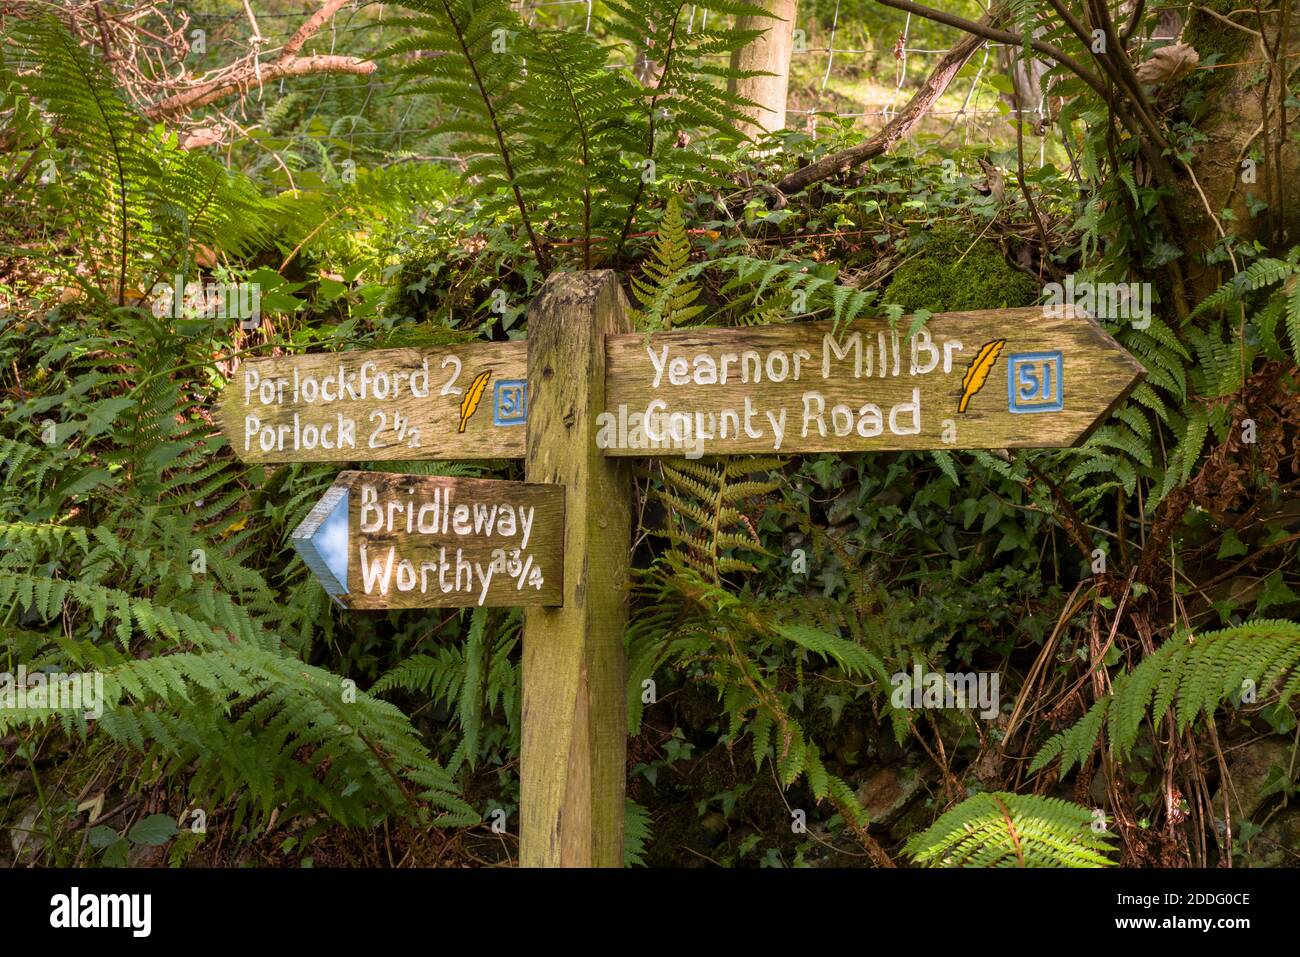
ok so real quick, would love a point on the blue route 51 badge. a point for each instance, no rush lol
(1034, 382)
(510, 402)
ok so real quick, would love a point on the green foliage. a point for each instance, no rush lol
(357, 220)
(1195, 675)
(1282, 304)
(128, 550)
(136, 205)
(706, 525)
(997, 829)
(636, 834)
(152, 831)
(481, 677)
(555, 132)
(1122, 451)
(776, 599)
(1188, 380)
(1024, 16)
(693, 622)
(161, 599)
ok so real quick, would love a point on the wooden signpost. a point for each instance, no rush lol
(573, 759)
(575, 401)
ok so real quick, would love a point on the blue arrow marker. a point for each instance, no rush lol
(322, 540)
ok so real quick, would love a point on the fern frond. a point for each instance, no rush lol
(998, 829)
(1196, 675)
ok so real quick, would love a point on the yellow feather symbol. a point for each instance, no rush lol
(978, 372)
(473, 397)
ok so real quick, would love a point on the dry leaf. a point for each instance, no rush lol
(94, 805)
(199, 138)
(993, 177)
(1169, 63)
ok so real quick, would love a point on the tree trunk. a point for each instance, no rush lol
(1249, 151)
(770, 53)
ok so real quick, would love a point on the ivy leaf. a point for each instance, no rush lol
(329, 289)
(276, 291)
(1231, 545)
(153, 831)
(1274, 592)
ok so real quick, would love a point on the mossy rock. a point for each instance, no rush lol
(951, 275)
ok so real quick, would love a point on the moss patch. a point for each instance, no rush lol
(951, 275)
(1208, 35)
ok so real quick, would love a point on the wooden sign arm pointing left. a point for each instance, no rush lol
(379, 540)
(465, 401)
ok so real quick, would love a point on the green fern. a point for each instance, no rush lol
(998, 829)
(665, 297)
(1177, 401)
(636, 834)
(1196, 675)
(737, 644)
(702, 497)
(237, 712)
(127, 540)
(480, 676)
(137, 204)
(1282, 302)
(556, 133)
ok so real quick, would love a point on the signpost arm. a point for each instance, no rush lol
(573, 760)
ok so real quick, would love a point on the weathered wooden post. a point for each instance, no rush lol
(572, 774)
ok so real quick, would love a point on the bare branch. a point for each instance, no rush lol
(311, 27)
(240, 80)
(254, 73)
(985, 28)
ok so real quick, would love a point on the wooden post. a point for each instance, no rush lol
(769, 56)
(572, 763)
